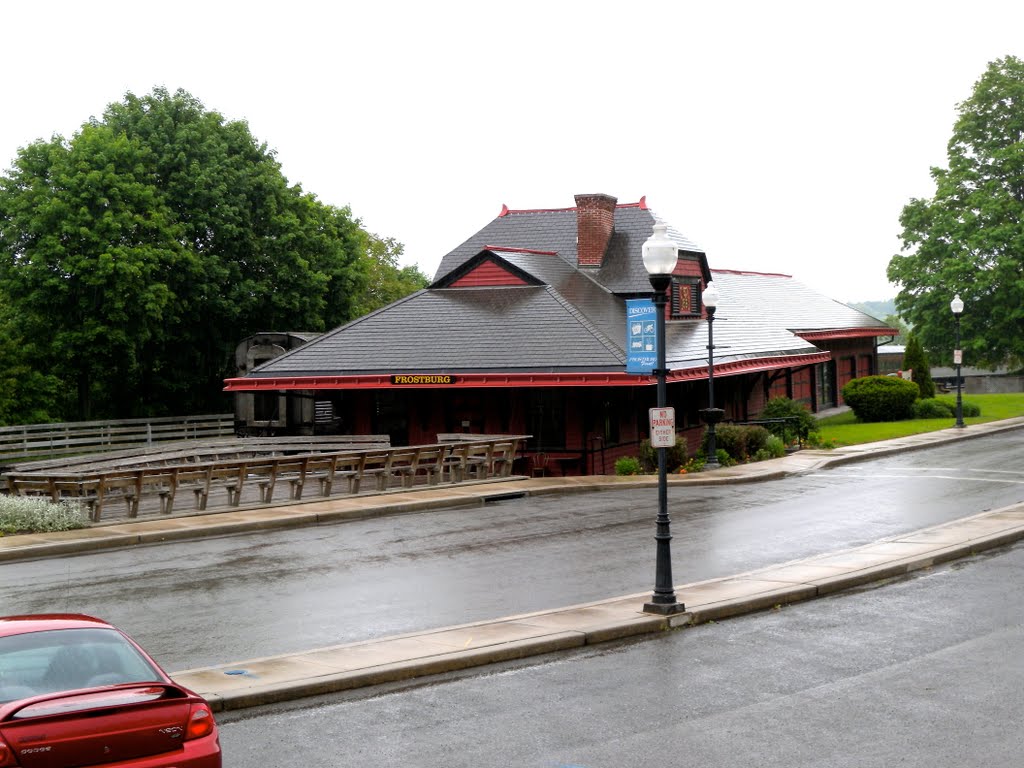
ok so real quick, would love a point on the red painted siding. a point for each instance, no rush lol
(488, 274)
(864, 365)
(688, 267)
(803, 385)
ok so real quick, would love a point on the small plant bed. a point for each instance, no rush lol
(21, 514)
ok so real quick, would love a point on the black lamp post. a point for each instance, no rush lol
(711, 414)
(660, 255)
(957, 306)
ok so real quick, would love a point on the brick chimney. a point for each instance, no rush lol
(595, 218)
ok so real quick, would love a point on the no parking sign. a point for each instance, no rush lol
(663, 427)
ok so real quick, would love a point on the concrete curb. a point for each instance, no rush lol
(287, 677)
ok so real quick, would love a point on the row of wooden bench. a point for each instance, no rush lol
(454, 462)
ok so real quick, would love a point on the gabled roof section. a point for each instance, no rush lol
(489, 268)
(555, 231)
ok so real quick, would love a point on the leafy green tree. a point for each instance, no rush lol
(895, 321)
(388, 281)
(915, 361)
(26, 395)
(969, 237)
(138, 253)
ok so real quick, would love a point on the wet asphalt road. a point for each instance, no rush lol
(925, 672)
(221, 600)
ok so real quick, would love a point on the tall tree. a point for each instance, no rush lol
(916, 361)
(142, 250)
(26, 395)
(969, 238)
(895, 321)
(388, 281)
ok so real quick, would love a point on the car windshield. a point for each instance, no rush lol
(67, 659)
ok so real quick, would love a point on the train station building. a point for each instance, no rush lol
(523, 331)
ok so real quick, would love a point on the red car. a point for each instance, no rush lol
(76, 691)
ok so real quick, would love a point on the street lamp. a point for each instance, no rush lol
(711, 414)
(957, 306)
(660, 255)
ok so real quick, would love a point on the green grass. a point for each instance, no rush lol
(844, 429)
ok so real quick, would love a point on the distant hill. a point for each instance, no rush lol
(877, 309)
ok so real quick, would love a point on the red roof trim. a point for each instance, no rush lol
(748, 272)
(510, 380)
(845, 333)
(506, 249)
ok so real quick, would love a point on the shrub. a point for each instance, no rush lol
(773, 449)
(648, 457)
(969, 408)
(931, 409)
(881, 398)
(757, 438)
(731, 438)
(675, 457)
(915, 360)
(627, 465)
(20, 514)
(739, 441)
(776, 447)
(781, 408)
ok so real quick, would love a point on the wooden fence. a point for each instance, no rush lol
(43, 440)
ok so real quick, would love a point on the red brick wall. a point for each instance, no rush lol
(595, 218)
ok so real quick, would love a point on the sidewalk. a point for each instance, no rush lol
(273, 679)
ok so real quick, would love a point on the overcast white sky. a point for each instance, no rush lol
(780, 136)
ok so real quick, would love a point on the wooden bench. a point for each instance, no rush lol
(326, 470)
(376, 465)
(426, 459)
(95, 488)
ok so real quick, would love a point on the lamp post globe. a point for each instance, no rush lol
(957, 307)
(710, 296)
(660, 255)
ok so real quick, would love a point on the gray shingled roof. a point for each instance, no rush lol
(623, 269)
(573, 321)
(781, 301)
(522, 328)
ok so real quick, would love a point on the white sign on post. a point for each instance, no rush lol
(958, 357)
(663, 427)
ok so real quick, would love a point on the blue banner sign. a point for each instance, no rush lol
(641, 337)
